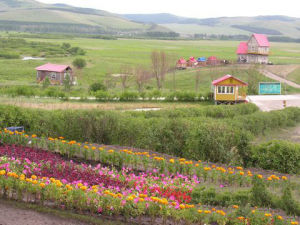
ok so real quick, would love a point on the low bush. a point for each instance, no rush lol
(282, 156)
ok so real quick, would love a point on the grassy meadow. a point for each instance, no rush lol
(105, 57)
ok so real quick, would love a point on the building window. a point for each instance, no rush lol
(53, 76)
(225, 90)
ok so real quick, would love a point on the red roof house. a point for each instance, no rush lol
(212, 60)
(192, 62)
(256, 50)
(56, 73)
(181, 63)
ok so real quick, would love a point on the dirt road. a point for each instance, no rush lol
(280, 79)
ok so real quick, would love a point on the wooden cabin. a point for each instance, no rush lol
(56, 73)
(181, 64)
(212, 61)
(229, 90)
(192, 62)
(201, 61)
(256, 50)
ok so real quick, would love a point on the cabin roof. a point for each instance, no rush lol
(201, 59)
(242, 49)
(262, 40)
(216, 82)
(181, 61)
(52, 67)
(192, 59)
(212, 58)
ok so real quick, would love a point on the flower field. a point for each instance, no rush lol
(136, 185)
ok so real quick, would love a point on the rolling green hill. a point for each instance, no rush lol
(32, 16)
(270, 25)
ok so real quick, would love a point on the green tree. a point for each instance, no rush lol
(97, 86)
(46, 83)
(67, 83)
(79, 63)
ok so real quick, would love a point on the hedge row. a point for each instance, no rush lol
(282, 156)
(218, 140)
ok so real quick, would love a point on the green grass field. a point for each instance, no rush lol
(107, 56)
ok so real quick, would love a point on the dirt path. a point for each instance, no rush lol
(280, 79)
(11, 215)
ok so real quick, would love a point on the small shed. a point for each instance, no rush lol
(201, 61)
(212, 60)
(192, 62)
(56, 73)
(229, 90)
(181, 63)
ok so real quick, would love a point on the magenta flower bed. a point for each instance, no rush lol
(53, 165)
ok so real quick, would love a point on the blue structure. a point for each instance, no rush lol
(270, 88)
(201, 59)
(13, 129)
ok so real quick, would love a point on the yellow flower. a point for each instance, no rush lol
(279, 217)
(207, 212)
(34, 136)
(242, 173)
(235, 206)
(42, 185)
(284, 178)
(200, 211)
(2, 172)
(182, 206)
(110, 151)
(260, 176)
(33, 177)
(172, 160)
(84, 188)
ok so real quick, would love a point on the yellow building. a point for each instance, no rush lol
(229, 90)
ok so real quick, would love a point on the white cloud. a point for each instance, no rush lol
(192, 8)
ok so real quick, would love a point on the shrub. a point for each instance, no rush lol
(97, 86)
(129, 96)
(79, 63)
(288, 204)
(282, 156)
(102, 95)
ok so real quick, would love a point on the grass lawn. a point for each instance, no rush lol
(107, 56)
(52, 104)
(295, 75)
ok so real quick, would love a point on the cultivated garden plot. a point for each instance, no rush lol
(141, 187)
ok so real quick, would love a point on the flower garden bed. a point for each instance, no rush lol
(161, 192)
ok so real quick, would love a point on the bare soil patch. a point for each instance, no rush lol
(12, 215)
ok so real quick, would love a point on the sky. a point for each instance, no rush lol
(192, 8)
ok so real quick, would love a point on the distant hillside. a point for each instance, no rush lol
(270, 25)
(32, 16)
